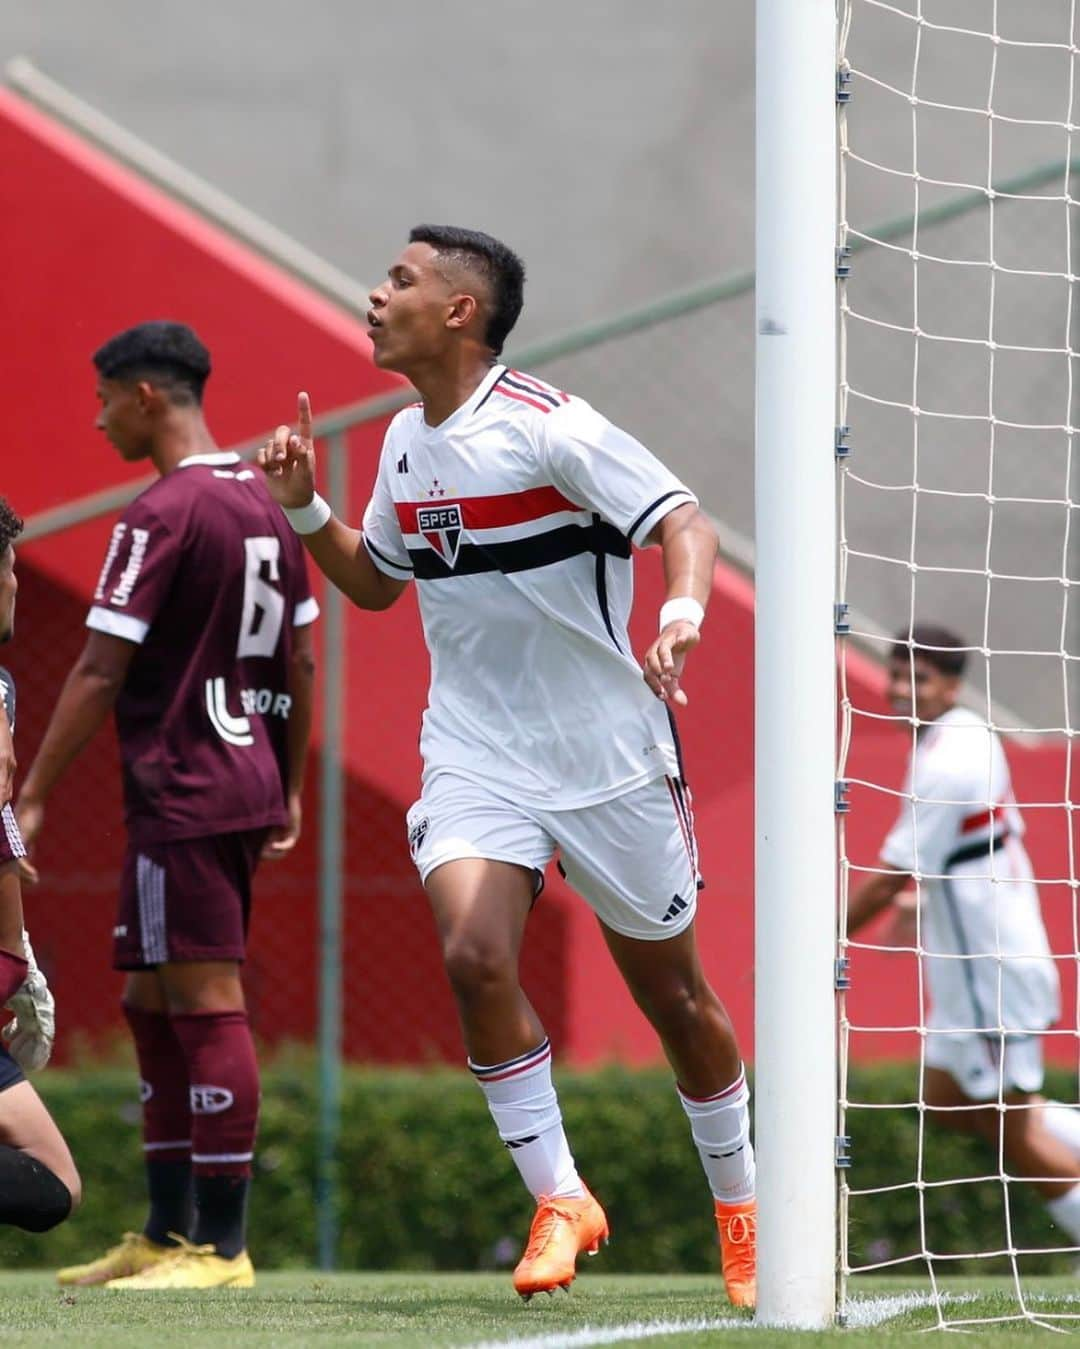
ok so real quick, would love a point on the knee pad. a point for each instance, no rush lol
(31, 1195)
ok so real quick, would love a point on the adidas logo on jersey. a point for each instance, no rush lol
(441, 527)
(403, 464)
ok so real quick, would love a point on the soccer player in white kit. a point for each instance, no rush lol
(514, 507)
(992, 983)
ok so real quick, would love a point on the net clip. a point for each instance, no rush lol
(842, 974)
(841, 620)
(843, 262)
(842, 1153)
(843, 83)
(841, 803)
(840, 446)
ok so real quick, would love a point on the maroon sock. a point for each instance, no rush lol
(13, 971)
(224, 1078)
(166, 1112)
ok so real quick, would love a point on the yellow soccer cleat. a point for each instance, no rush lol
(133, 1255)
(191, 1266)
(561, 1230)
(738, 1251)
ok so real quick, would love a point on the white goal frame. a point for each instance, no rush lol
(795, 661)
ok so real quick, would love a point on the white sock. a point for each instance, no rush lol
(720, 1127)
(1063, 1121)
(1065, 1211)
(523, 1104)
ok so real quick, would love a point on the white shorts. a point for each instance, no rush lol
(974, 1062)
(633, 859)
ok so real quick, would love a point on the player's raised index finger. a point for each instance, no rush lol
(303, 416)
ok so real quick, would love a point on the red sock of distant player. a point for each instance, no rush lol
(166, 1112)
(13, 971)
(224, 1079)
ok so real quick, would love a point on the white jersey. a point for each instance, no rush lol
(516, 517)
(961, 833)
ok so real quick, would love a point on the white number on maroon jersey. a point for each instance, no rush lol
(264, 607)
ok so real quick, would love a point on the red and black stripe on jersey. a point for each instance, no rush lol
(524, 554)
(587, 535)
(525, 389)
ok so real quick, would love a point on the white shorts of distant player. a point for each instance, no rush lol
(633, 859)
(974, 1062)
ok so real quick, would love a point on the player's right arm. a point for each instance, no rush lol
(85, 703)
(918, 843)
(288, 462)
(874, 894)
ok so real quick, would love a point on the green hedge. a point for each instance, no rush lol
(426, 1186)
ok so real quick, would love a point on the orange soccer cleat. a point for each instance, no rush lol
(738, 1251)
(561, 1229)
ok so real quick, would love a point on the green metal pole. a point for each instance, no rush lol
(331, 848)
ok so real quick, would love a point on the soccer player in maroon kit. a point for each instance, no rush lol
(39, 1185)
(200, 639)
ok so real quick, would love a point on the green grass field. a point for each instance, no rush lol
(430, 1310)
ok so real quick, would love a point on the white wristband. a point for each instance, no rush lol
(681, 607)
(307, 519)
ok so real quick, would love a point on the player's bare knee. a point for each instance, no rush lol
(474, 967)
(676, 1006)
(675, 1016)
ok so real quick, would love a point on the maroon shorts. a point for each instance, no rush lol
(186, 900)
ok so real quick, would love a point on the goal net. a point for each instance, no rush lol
(959, 507)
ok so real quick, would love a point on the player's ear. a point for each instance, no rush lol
(147, 398)
(462, 311)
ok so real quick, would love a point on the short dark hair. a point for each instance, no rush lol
(500, 267)
(10, 526)
(939, 647)
(167, 353)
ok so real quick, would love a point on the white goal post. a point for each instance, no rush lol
(795, 745)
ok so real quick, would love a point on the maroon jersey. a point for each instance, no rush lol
(206, 576)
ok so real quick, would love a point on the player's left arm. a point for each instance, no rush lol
(85, 702)
(875, 893)
(302, 693)
(689, 545)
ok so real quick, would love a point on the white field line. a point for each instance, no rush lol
(636, 1330)
(862, 1313)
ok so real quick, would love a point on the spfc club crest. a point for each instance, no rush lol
(441, 526)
